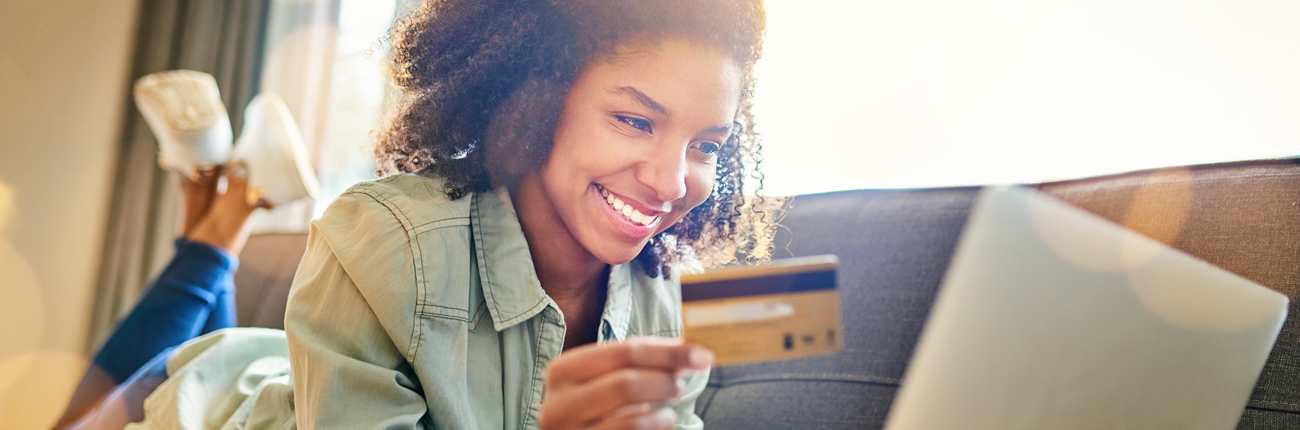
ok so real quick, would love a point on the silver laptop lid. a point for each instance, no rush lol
(1054, 318)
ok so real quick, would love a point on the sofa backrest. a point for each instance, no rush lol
(1243, 217)
(266, 269)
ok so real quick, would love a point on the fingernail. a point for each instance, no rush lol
(701, 357)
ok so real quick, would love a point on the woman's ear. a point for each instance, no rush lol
(520, 133)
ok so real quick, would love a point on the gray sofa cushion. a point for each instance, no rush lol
(894, 247)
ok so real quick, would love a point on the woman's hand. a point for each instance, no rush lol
(614, 386)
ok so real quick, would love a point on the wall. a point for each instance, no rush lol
(64, 75)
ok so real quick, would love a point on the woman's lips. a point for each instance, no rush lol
(625, 209)
(626, 218)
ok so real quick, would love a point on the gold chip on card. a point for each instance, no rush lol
(787, 309)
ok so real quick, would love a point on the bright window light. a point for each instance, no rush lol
(924, 93)
(357, 96)
(921, 93)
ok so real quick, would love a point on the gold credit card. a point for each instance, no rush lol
(788, 309)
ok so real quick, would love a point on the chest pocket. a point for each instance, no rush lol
(444, 270)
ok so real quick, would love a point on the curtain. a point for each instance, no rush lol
(220, 37)
(285, 46)
(298, 58)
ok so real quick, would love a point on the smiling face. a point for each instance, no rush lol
(636, 147)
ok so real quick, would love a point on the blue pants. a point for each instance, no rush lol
(193, 296)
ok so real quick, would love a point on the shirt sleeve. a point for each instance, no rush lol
(686, 418)
(348, 326)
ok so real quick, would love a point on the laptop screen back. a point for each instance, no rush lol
(1052, 317)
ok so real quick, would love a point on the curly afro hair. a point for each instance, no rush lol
(476, 73)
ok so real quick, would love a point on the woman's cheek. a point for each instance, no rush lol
(700, 184)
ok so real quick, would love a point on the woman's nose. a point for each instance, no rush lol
(665, 173)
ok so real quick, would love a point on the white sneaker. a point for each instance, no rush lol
(271, 148)
(184, 110)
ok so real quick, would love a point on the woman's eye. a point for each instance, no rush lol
(637, 123)
(709, 148)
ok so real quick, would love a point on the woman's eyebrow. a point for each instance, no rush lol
(640, 97)
(719, 129)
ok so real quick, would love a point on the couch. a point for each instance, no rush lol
(894, 247)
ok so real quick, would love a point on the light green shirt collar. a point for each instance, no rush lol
(509, 279)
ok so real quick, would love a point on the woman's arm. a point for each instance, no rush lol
(349, 333)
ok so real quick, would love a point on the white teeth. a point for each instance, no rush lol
(627, 210)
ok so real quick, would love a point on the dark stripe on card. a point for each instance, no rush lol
(797, 282)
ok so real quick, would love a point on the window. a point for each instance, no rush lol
(856, 94)
(358, 91)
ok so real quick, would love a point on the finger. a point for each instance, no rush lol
(616, 390)
(584, 363)
(629, 410)
(660, 419)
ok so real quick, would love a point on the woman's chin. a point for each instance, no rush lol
(616, 256)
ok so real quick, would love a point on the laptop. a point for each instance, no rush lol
(1051, 317)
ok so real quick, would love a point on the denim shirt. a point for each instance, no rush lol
(411, 310)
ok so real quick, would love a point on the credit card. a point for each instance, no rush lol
(787, 309)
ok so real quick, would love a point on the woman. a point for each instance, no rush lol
(560, 162)
(570, 153)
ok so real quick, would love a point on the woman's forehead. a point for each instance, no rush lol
(670, 74)
(647, 48)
